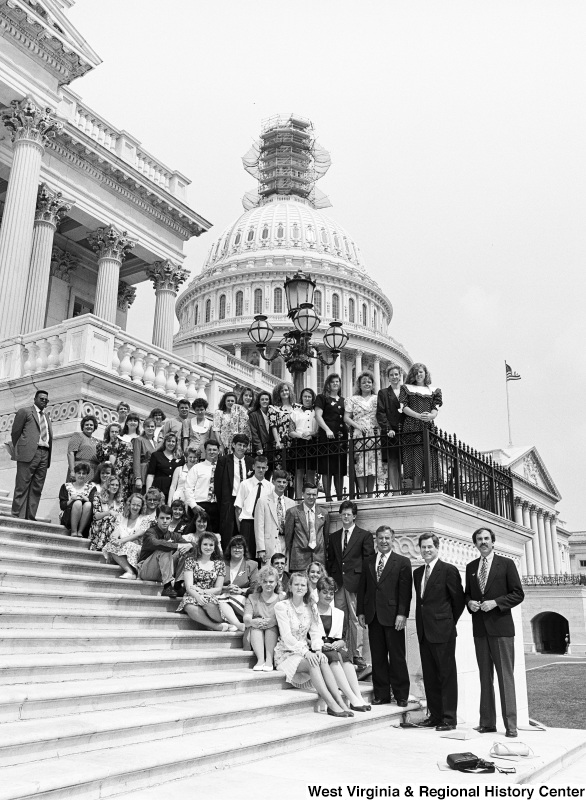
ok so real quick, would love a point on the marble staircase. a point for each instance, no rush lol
(104, 690)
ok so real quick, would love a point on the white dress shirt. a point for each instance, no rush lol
(197, 483)
(246, 497)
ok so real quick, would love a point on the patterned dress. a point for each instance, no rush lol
(226, 426)
(123, 464)
(203, 580)
(418, 399)
(367, 461)
(130, 549)
(294, 627)
(102, 529)
(279, 419)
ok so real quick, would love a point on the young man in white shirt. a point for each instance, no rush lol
(250, 492)
(199, 486)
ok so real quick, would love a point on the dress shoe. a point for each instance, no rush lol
(179, 588)
(445, 727)
(348, 714)
(402, 703)
(511, 735)
(358, 708)
(169, 591)
(337, 713)
(429, 723)
(378, 701)
(485, 729)
(365, 673)
(359, 663)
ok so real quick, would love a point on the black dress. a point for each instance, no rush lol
(163, 468)
(332, 460)
(333, 656)
(418, 399)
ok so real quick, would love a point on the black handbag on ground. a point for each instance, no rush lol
(468, 762)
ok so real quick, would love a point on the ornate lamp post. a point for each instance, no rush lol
(296, 346)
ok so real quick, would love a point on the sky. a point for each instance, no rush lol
(457, 135)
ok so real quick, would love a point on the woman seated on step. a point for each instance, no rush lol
(75, 502)
(305, 666)
(262, 630)
(203, 576)
(126, 540)
(241, 577)
(334, 647)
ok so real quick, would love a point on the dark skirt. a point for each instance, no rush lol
(303, 454)
(333, 454)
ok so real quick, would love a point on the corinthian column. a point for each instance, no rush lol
(112, 247)
(31, 128)
(50, 209)
(167, 278)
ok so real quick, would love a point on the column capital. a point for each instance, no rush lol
(62, 264)
(50, 205)
(126, 295)
(109, 242)
(167, 275)
(25, 119)
(539, 511)
(376, 359)
(358, 353)
(519, 501)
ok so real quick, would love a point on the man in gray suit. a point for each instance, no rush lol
(307, 528)
(32, 440)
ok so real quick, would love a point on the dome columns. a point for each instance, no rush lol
(31, 126)
(111, 247)
(167, 277)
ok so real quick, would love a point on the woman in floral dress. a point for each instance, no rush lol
(361, 415)
(107, 508)
(280, 412)
(420, 402)
(228, 421)
(126, 540)
(120, 454)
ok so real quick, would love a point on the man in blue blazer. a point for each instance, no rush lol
(493, 588)
(439, 605)
(32, 440)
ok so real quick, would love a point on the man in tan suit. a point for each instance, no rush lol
(307, 527)
(269, 519)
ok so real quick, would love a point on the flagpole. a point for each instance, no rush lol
(508, 408)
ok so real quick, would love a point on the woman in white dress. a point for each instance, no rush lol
(126, 540)
(303, 435)
(199, 427)
(177, 490)
(305, 667)
(360, 414)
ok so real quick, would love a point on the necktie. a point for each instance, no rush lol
(240, 470)
(280, 515)
(483, 574)
(425, 579)
(211, 495)
(257, 498)
(44, 439)
(381, 566)
(345, 539)
(311, 526)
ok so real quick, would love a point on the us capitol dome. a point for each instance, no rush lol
(284, 229)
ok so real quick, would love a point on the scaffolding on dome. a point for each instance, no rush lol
(286, 161)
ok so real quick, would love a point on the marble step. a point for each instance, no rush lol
(91, 666)
(13, 533)
(42, 525)
(23, 598)
(29, 550)
(67, 566)
(24, 575)
(31, 641)
(37, 739)
(38, 617)
(118, 770)
(34, 701)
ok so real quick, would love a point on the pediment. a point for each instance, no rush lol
(530, 466)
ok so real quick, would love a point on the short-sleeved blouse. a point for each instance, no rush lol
(419, 399)
(205, 579)
(84, 448)
(257, 607)
(333, 414)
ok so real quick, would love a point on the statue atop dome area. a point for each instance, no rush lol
(287, 161)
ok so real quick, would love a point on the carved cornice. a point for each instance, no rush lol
(126, 296)
(50, 205)
(111, 243)
(28, 121)
(62, 264)
(167, 275)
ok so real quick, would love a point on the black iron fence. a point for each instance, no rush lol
(373, 465)
(554, 580)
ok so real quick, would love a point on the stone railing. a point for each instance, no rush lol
(87, 340)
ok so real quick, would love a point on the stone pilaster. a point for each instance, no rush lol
(126, 296)
(111, 246)
(31, 127)
(167, 278)
(358, 362)
(50, 209)
(62, 264)
(536, 542)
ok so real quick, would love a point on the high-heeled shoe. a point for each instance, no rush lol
(336, 713)
(358, 708)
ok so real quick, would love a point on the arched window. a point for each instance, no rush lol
(295, 231)
(265, 233)
(337, 241)
(346, 245)
(278, 301)
(239, 303)
(222, 309)
(208, 310)
(258, 301)
(324, 236)
(238, 238)
(351, 309)
(336, 306)
(364, 315)
(310, 235)
(280, 231)
(374, 319)
(196, 314)
(317, 302)
(250, 236)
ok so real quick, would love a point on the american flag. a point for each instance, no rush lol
(511, 374)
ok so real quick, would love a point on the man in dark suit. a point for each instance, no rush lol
(390, 420)
(231, 470)
(493, 588)
(32, 440)
(439, 605)
(384, 596)
(347, 549)
(307, 528)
